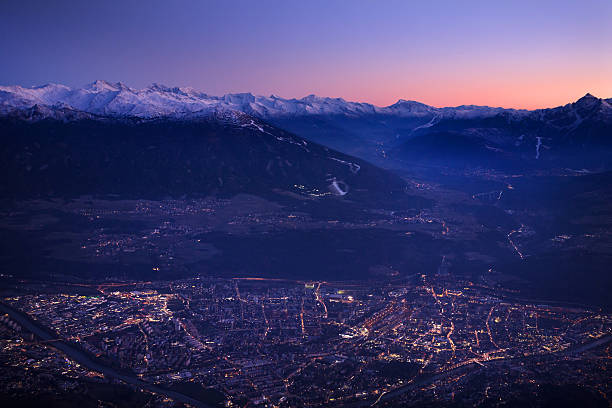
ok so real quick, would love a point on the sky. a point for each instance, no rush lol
(521, 54)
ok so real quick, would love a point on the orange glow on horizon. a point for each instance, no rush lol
(541, 82)
(528, 93)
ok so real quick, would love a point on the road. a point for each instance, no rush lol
(83, 359)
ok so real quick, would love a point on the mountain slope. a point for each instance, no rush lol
(222, 153)
(576, 135)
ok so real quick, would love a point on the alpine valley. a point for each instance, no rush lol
(163, 247)
(114, 182)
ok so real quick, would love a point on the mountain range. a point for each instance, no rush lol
(409, 132)
(116, 99)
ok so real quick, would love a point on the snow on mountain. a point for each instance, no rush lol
(117, 99)
(104, 98)
(574, 114)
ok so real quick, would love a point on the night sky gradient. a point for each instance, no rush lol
(516, 53)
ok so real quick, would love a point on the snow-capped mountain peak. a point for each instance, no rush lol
(588, 101)
(101, 86)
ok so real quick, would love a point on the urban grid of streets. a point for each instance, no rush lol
(263, 341)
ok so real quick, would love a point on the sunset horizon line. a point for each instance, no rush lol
(347, 99)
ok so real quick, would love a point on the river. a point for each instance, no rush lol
(85, 360)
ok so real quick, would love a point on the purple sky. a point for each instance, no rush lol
(504, 53)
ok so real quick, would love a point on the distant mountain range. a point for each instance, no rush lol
(117, 99)
(577, 134)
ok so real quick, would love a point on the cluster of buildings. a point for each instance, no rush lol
(285, 343)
